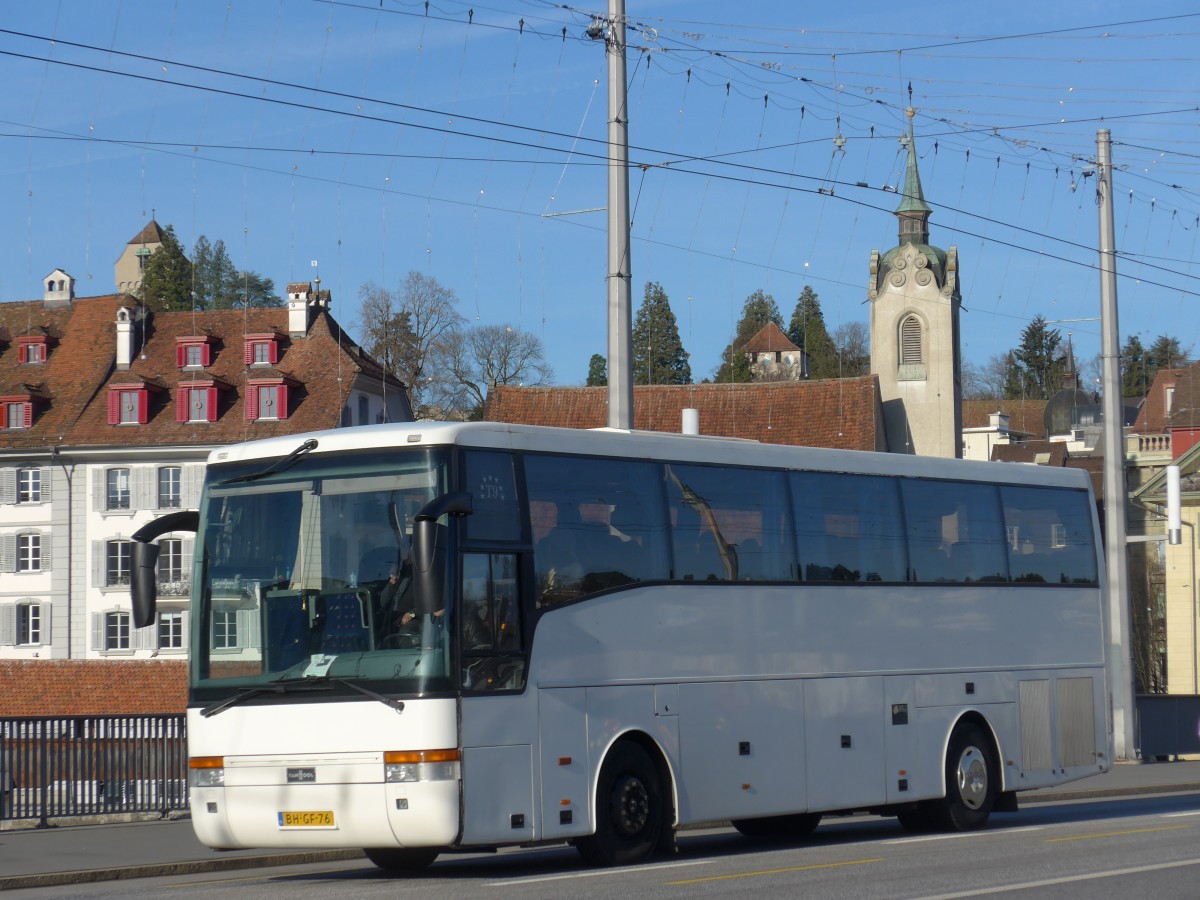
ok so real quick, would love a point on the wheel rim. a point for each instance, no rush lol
(631, 802)
(972, 777)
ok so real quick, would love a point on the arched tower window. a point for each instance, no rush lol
(912, 350)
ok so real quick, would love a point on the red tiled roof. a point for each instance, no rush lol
(89, 687)
(72, 371)
(768, 339)
(81, 368)
(151, 234)
(842, 413)
(1023, 415)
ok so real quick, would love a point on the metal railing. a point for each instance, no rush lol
(56, 766)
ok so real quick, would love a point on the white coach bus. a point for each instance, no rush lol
(429, 637)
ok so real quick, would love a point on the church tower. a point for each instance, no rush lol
(915, 301)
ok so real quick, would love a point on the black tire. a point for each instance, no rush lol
(401, 860)
(779, 827)
(630, 809)
(972, 781)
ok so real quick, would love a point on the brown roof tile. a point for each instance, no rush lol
(842, 413)
(768, 339)
(78, 687)
(1023, 415)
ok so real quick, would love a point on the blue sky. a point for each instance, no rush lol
(464, 142)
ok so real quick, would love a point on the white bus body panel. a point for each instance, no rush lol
(343, 743)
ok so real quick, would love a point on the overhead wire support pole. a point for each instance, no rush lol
(1116, 496)
(620, 317)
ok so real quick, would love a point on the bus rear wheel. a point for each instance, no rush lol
(972, 780)
(779, 826)
(630, 809)
(401, 860)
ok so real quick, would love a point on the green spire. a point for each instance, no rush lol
(913, 212)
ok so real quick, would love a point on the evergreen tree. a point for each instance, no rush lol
(219, 285)
(597, 371)
(167, 277)
(807, 331)
(1166, 353)
(758, 310)
(1135, 375)
(1035, 368)
(253, 290)
(658, 354)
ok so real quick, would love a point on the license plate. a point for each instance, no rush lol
(314, 818)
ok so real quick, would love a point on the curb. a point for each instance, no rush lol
(188, 867)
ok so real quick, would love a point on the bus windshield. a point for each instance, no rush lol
(303, 573)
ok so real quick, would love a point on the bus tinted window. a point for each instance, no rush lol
(955, 532)
(1049, 535)
(729, 524)
(494, 494)
(848, 527)
(597, 524)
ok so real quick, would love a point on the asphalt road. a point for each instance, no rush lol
(1120, 847)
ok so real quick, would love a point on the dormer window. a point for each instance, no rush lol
(129, 404)
(31, 350)
(193, 352)
(197, 401)
(262, 349)
(18, 411)
(267, 399)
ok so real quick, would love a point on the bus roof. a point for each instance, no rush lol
(646, 445)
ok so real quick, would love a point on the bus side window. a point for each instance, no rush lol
(848, 527)
(489, 480)
(1049, 535)
(955, 533)
(729, 524)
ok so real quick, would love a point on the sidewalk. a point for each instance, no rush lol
(77, 854)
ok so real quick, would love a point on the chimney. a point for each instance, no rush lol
(691, 421)
(299, 296)
(58, 289)
(124, 340)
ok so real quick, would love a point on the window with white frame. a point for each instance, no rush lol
(224, 629)
(170, 629)
(116, 567)
(194, 355)
(116, 631)
(29, 552)
(14, 414)
(198, 405)
(28, 624)
(29, 486)
(169, 479)
(172, 572)
(117, 494)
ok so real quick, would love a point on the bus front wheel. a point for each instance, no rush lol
(401, 861)
(972, 779)
(630, 810)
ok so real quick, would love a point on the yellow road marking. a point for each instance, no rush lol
(836, 865)
(1084, 837)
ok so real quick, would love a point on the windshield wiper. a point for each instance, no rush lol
(397, 705)
(278, 466)
(277, 687)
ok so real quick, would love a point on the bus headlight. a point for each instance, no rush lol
(206, 771)
(407, 766)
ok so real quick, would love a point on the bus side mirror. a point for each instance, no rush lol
(431, 550)
(143, 584)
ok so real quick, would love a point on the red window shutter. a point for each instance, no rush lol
(181, 355)
(212, 404)
(273, 351)
(281, 401)
(28, 404)
(143, 403)
(249, 352)
(251, 402)
(205, 355)
(22, 353)
(114, 407)
(181, 405)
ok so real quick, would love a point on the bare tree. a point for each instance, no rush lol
(473, 360)
(852, 340)
(402, 328)
(985, 382)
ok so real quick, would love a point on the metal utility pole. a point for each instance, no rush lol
(620, 318)
(1116, 496)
